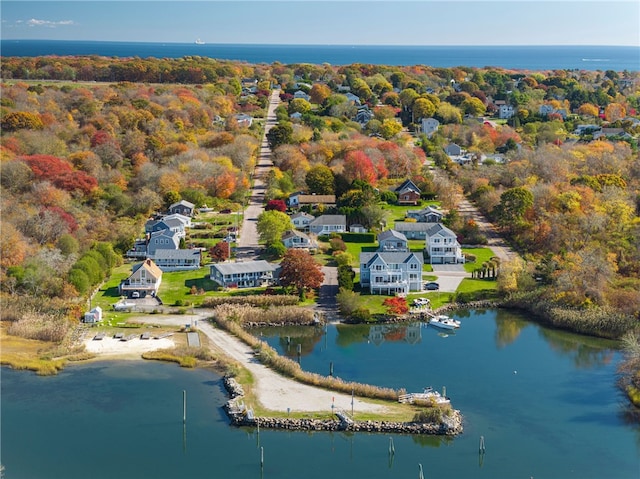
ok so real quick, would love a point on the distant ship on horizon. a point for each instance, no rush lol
(199, 42)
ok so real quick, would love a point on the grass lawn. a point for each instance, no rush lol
(398, 212)
(354, 249)
(469, 285)
(481, 254)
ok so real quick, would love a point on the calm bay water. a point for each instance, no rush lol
(616, 58)
(558, 417)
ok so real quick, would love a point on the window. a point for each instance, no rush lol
(413, 266)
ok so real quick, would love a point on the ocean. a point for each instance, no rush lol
(617, 58)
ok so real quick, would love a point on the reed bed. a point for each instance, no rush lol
(185, 356)
(596, 321)
(292, 369)
(256, 300)
(245, 314)
(40, 326)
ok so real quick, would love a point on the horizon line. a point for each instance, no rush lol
(329, 44)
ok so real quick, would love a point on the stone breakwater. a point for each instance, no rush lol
(240, 416)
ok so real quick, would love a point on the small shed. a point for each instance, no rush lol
(93, 316)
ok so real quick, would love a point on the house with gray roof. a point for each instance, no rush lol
(441, 245)
(327, 224)
(183, 207)
(412, 230)
(301, 220)
(164, 239)
(247, 274)
(297, 239)
(392, 241)
(391, 273)
(177, 259)
(428, 214)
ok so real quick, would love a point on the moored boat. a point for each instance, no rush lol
(444, 322)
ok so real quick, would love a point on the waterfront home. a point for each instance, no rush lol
(182, 207)
(172, 224)
(441, 245)
(408, 193)
(177, 259)
(392, 240)
(327, 224)
(165, 239)
(391, 273)
(412, 230)
(145, 279)
(428, 214)
(248, 274)
(297, 239)
(301, 220)
(185, 220)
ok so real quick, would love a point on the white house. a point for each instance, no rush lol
(357, 228)
(327, 224)
(302, 95)
(391, 273)
(301, 220)
(442, 245)
(247, 274)
(429, 126)
(186, 220)
(297, 239)
(392, 241)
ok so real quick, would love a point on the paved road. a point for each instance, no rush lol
(248, 241)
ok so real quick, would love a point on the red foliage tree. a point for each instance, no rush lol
(220, 252)
(299, 269)
(60, 173)
(396, 305)
(358, 166)
(278, 205)
(67, 218)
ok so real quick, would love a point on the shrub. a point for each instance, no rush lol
(337, 244)
(358, 237)
(361, 315)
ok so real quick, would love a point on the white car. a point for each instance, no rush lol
(421, 302)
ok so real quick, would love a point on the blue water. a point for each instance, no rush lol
(616, 58)
(558, 417)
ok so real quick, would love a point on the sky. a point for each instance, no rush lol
(325, 22)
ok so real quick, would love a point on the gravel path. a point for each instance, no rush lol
(275, 392)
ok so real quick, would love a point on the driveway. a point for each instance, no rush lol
(449, 276)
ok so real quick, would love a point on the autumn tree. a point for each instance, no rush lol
(220, 251)
(278, 205)
(319, 93)
(320, 180)
(298, 269)
(358, 166)
(396, 305)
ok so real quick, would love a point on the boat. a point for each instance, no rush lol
(199, 42)
(427, 395)
(444, 322)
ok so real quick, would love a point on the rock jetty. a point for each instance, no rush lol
(240, 416)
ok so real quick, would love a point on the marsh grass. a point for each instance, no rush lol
(185, 356)
(244, 314)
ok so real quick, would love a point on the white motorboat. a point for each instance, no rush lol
(427, 395)
(444, 322)
(199, 42)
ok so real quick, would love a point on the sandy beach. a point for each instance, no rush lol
(275, 392)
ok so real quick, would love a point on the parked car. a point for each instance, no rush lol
(135, 294)
(432, 286)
